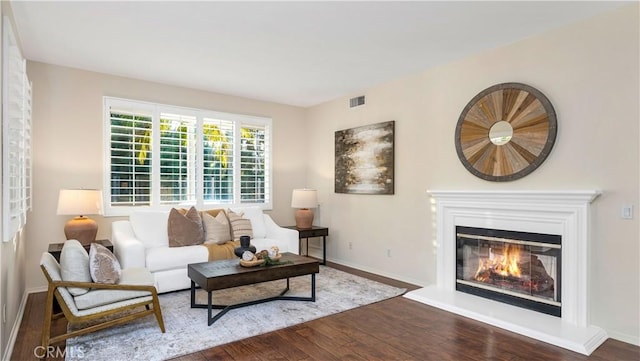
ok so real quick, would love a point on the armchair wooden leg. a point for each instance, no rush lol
(158, 311)
(48, 315)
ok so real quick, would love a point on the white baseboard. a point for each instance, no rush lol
(16, 327)
(371, 270)
(37, 289)
(315, 250)
(624, 338)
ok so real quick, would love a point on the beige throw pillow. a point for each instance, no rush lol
(216, 229)
(239, 226)
(74, 265)
(103, 265)
(185, 230)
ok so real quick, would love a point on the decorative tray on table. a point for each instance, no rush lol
(250, 260)
(258, 262)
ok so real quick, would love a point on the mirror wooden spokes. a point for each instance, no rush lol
(505, 132)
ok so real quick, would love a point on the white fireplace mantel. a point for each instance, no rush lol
(565, 213)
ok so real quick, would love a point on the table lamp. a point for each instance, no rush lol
(80, 202)
(303, 199)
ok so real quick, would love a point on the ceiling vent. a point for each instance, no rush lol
(356, 102)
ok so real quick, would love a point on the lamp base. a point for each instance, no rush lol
(304, 218)
(82, 228)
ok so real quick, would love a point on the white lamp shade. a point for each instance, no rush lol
(304, 198)
(79, 202)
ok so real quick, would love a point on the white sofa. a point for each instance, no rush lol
(142, 241)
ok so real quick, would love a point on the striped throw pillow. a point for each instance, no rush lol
(216, 228)
(239, 226)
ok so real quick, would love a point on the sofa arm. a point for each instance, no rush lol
(129, 251)
(290, 236)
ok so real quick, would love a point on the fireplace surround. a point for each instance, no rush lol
(564, 214)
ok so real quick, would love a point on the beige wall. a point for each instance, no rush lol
(68, 139)
(589, 71)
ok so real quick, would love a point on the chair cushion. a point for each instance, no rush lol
(240, 226)
(74, 265)
(129, 276)
(103, 265)
(150, 227)
(168, 258)
(216, 229)
(185, 229)
(52, 268)
(255, 215)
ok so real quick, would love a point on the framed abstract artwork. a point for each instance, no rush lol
(364, 159)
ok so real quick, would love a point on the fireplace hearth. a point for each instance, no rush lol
(516, 260)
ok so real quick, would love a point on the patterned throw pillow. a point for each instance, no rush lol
(185, 230)
(103, 265)
(239, 226)
(216, 229)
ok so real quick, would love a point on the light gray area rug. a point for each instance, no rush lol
(187, 330)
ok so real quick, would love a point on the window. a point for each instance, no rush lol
(16, 136)
(164, 156)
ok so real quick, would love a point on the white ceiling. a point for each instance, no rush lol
(298, 53)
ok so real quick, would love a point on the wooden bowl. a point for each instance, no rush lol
(258, 262)
(254, 263)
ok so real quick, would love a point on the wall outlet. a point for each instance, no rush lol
(627, 211)
(388, 252)
(350, 245)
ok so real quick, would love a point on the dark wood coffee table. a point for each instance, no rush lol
(217, 275)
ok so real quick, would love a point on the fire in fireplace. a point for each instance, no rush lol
(519, 268)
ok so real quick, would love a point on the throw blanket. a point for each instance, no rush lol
(222, 251)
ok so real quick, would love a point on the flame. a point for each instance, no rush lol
(505, 265)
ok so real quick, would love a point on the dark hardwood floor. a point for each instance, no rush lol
(394, 329)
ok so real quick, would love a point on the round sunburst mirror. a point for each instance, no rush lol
(506, 132)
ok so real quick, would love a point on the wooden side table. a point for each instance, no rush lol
(314, 231)
(56, 248)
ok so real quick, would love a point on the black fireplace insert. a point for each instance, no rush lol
(519, 268)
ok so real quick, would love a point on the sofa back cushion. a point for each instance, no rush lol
(150, 227)
(255, 215)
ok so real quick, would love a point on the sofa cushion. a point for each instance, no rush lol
(129, 276)
(150, 227)
(255, 215)
(216, 229)
(266, 243)
(167, 258)
(185, 229)
(74, 265)
(240, 226)
(103, 265)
